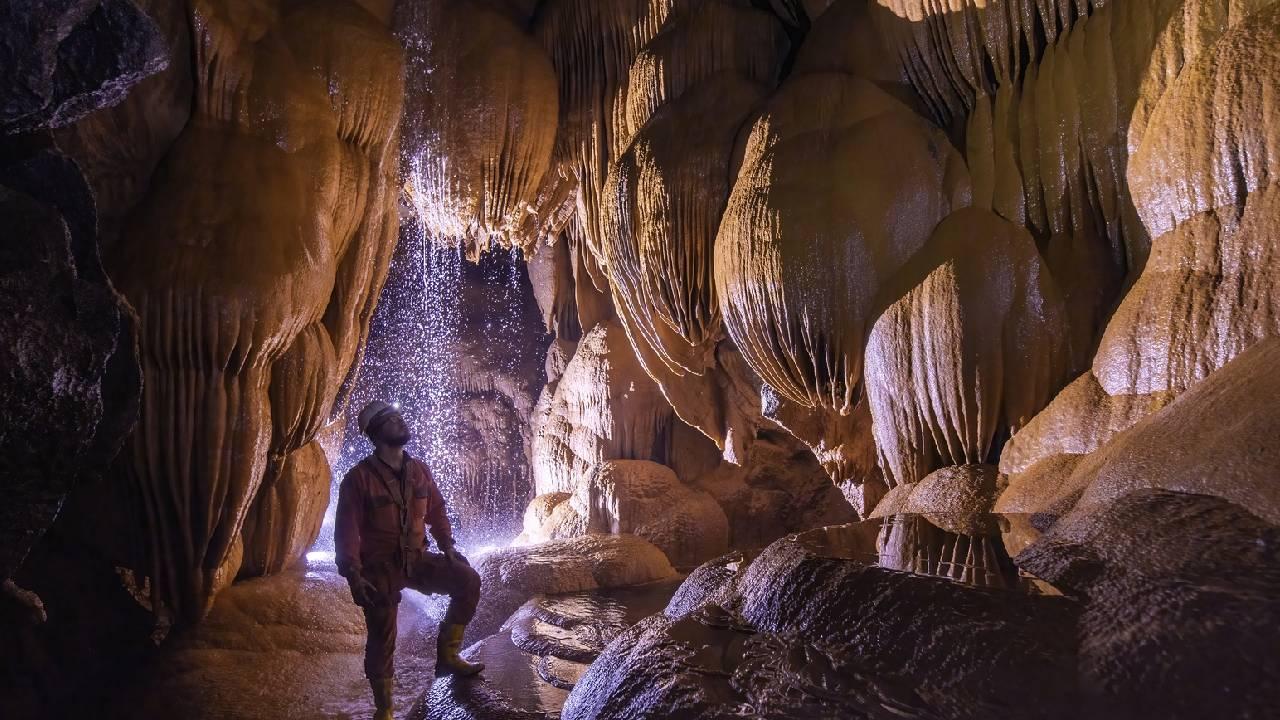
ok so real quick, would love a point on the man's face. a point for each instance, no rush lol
(391, 430)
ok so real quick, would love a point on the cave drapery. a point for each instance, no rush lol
(776, 265)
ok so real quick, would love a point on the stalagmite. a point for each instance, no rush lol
(604, 407)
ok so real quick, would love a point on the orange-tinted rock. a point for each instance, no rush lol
(972, 350)
(227, 276)
(481, 116)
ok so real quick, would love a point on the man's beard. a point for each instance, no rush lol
(396, 439)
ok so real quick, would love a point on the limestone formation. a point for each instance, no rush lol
(636, 497)
(971, 351)
(797, 221)
(1210, 441)
(705, 72)
(592, 45)
(803, 626)
(481, 118)
(1161, 624)
(69, 385)
(64, 60)
(790, 263)
(511, 576)
(1204, 183)
(294, 262)
(957, 498)
(697, 42)
(580, 421)
(1201, 179)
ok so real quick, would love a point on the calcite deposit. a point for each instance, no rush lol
(934, 340)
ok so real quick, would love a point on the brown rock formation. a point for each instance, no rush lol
(603, 407)
(251, 319)
(481, 120)
(706, 70)
(796, 221)
(971, 351)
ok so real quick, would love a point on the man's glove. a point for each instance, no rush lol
(454, 556)
(362, 591)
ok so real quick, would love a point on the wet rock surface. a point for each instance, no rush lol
(814, 627)
(512, 576)
(64, 59)
(290, 645)
(540, 654)
(1171, 627)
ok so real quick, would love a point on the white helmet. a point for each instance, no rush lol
(371, 412)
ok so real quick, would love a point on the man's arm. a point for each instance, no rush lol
(346, 527)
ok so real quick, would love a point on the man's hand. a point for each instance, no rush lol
(362, 591)
(453, 556)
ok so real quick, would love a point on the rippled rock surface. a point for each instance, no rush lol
(1182, 611)
(820, 624)
(899, 618)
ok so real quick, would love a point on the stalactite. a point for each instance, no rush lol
(226, 277)
(592, 45)
(690, 90)
(805, 246)
(481, 121)
(974, 347)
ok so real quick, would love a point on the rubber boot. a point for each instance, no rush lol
(382, 688)
(448, 662)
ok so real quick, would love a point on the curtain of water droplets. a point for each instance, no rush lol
(410, 360)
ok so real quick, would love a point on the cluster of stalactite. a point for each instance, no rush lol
(893, 228)
(897, 228)
(249, 226)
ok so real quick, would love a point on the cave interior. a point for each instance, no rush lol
(774, 358)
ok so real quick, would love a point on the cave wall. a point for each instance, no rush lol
(246, 212)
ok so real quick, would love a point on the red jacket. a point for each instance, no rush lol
(368, 527)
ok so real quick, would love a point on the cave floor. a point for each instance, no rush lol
(291, 646)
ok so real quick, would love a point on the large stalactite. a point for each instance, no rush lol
(253, 300)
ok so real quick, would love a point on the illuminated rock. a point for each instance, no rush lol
(1202, 177)
(957, 498)
(604, 407)
(592, 44)
(481, 116)
(663, 204)
(647, 500)
(806, 248)
(696, 44)
(225, 276)
(1207, 441)
(973, 349)
(1204, 181)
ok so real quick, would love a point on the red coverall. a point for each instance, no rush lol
(379, 533)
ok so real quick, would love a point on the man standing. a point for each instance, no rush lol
(383, 504)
